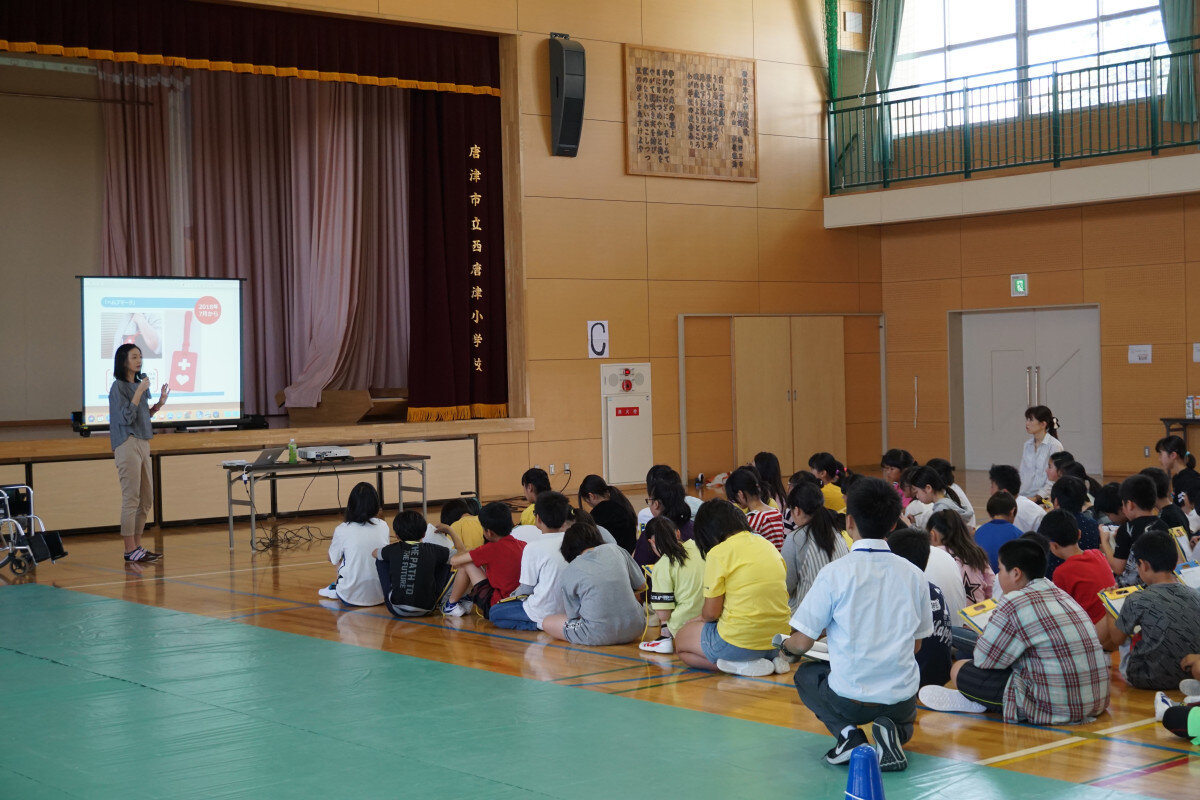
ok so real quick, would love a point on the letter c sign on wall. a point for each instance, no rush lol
(597, 339)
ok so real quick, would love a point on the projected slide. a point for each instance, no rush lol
(190, 333)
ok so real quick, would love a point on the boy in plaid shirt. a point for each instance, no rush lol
(1038, 659)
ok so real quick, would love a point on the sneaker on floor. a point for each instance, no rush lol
(887, 745)
(454, 610)
(747, 669)
(782, 664)
(139, 554)
(840, 753)
(939, 698)
(664, 645)
(1161, 704)
(328, 591)
(1190, 687)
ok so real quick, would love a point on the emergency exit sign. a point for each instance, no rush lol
(1020, 285)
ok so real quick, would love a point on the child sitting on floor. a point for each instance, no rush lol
(488, 573)
(600, 585)
(1002, 510)
(933, 657)
(1038, 659)
(352, 547)
(1166, 611)
(949, 532)
(875, 610)
(1083, 574)
(412, 573)
(678, 591)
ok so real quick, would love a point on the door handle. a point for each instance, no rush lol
(1037, 385)
(1028, 387)
(916, 407)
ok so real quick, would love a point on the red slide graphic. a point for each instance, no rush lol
(183, 362)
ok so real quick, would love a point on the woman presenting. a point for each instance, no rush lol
(129, 430)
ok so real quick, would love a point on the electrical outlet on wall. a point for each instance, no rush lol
(551, 469)
(566, 466)
(1146, 452)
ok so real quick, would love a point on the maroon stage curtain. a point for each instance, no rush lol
(197, 35)
(458, 362)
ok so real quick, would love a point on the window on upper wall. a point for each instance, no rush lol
(949, 39)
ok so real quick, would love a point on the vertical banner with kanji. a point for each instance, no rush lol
(458, 364)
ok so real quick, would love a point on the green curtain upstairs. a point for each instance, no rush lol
(888, 16)
(1179, 17)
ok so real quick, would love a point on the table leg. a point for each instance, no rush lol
(253, 510)
(424, 493)
(229, 503)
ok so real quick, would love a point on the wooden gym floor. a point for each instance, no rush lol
(1123, 752)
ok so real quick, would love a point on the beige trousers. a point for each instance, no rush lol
(137, 489)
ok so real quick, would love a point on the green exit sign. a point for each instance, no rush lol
(1020, 285)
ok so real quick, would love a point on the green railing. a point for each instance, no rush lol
(1105, 104)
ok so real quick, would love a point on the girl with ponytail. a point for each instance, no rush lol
(1178, 463)
(831, 472)
(1042, 427)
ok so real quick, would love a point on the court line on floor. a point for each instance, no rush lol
(193, 575)
(667, 683)
(603, 671)
(629, 680)
(1148, 769)
(1030, 752)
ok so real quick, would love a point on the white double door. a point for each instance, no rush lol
(1016, 359)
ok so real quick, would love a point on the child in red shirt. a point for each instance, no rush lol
(1083, 573)
(490, 572)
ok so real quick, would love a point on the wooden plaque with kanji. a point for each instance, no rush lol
(690, 115)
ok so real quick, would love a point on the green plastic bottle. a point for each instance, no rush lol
(293, 456)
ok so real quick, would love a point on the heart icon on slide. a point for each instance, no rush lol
(182, 379)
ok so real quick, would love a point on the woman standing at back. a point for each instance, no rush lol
(1042, 427)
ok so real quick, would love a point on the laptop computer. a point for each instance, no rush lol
(269, 456)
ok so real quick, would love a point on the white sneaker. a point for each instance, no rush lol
(747, 669)
(939, 698)
(663, 645)
(781, 664)
(328, 591)
(1190, 687)
(1161, 704)
(454, 609)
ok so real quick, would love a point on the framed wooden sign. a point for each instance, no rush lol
(690, 115)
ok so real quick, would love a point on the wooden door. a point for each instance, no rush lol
(819, 387)
(762, 385)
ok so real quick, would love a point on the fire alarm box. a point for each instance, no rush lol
(628, 426)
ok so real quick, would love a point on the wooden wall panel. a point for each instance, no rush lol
(1143, 392)
(870, 254)
(586, 456)
(861, 334)
(592, 174)
(791, 100)
(870, 297)
(1138, 305)
(788, 31)
(791, 172)
(709, 393)
(605, 84)
(474, 13)
(1033, 242)
(701, 243)
(585, 239)
(664, 375)
(1124, 447)
(613, 21)
(925, 441)
(710, 453)
(566, 399)
(83, 494)
(807, 298)
(864, 445)
(1138, 232)
(707, 336)
(932, 390)
(795, 246)
(706, 26)
(500, 468)
(557, 312)
(863, 387)
(916, 313)
(921, 251)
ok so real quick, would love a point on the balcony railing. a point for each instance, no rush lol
(1104, 104)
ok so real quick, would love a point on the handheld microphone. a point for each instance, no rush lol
(141, 376)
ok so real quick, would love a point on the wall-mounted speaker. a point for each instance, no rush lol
(568, 65)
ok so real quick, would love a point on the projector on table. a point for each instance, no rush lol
(326, 453)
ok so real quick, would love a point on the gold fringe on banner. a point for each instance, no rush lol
(449, 413)
(489, 410)
(229, 66)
